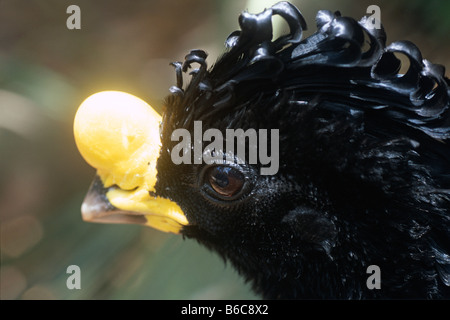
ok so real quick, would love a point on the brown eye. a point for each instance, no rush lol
(226, 181)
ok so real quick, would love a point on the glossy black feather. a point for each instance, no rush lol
(364, 159)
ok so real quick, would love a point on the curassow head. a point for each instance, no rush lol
(301, 161)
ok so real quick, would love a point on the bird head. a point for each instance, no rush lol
(359, 155)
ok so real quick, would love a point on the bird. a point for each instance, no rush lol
(363, 179)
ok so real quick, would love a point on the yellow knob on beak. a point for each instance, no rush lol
(118, 134)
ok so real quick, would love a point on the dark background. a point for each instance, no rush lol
(46, 71)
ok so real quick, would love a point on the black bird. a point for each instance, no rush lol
(364, 162)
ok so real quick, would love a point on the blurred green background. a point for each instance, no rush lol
(46, 71)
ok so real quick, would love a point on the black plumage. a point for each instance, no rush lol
(364, 175)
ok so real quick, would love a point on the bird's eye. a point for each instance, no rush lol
(226, 181)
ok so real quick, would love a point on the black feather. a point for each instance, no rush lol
(364, 159)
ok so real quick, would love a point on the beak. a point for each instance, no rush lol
(118, 134)
(134, 207)
(97, 208)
